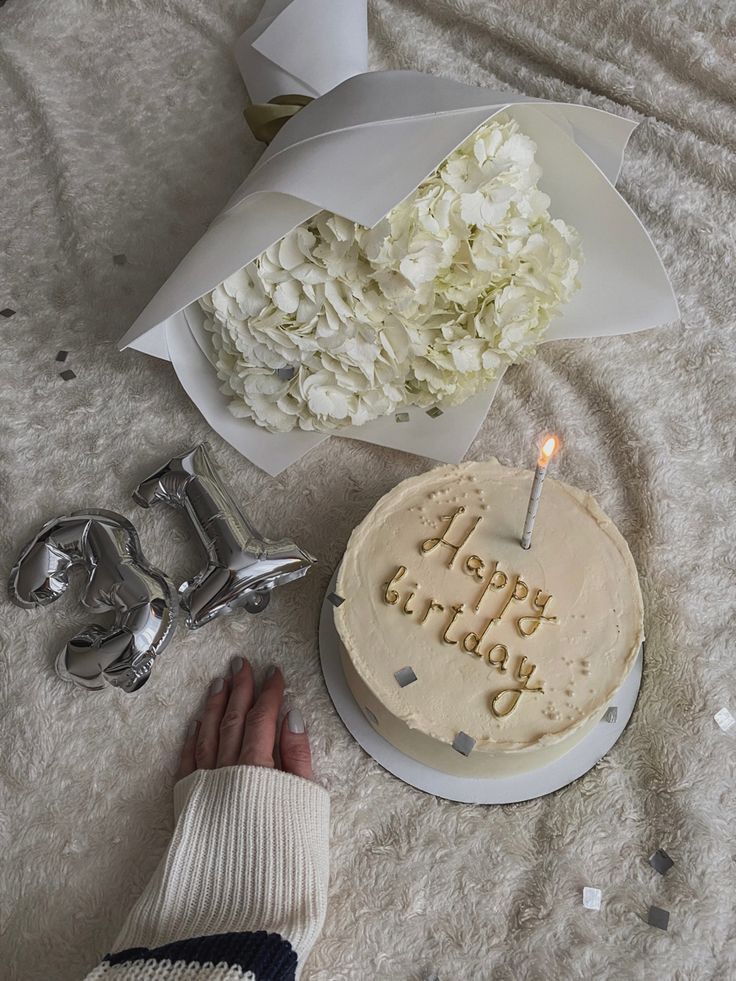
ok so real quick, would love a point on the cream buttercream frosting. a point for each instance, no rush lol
(518, 650)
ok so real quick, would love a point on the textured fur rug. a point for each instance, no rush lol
(122, 135)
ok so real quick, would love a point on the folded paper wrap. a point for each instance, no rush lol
(364, 143)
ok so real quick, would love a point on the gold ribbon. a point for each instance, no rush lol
(266, 118)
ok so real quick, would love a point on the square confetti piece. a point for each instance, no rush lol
(434, 412)
(67, 375)
(658, 917)
(61, 356)
(7, 312)
(120, 259)
(335, 599)
(405, 676)
(724, 720)
(402, 416)
(285, 374)
(463, 743)
(611, 714)
(660, 861)
(592, 897)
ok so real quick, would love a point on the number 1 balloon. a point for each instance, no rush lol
(243, 567)
(120, 580)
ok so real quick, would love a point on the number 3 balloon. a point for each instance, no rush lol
(120, 580)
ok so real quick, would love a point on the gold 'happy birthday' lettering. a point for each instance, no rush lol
(432, 606)
(491, 579)
(456, 612)
(529, 625)
(391, 595)
(512, 695)
(519, 592)
(472, 641)
(496, 579)
(432, 543)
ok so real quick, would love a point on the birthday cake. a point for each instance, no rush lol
(469, 653)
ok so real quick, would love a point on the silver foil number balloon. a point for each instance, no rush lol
(119, 579)
(243, 567)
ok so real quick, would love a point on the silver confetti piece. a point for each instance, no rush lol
(660, 861)
(724, 720)
(592, 897)
(405, 676)
(657, 917)
(463, 743)
(402, 416)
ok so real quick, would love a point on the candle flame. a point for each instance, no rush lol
(548, 450)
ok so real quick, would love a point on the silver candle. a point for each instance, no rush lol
(545, 455)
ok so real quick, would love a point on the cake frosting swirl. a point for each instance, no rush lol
(468, 652)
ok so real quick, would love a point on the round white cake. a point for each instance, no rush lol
(469, 653)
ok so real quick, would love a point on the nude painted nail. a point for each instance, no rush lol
(217, 685)
(236, 665)
(295, 721)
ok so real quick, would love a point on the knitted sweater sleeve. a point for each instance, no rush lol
(241, 892)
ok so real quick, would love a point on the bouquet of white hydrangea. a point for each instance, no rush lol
(354, 291)
(338, 324)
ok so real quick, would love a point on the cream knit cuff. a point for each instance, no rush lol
(250, 851)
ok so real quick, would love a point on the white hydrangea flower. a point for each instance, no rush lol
(459, 280)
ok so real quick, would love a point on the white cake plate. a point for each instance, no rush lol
(470, 790)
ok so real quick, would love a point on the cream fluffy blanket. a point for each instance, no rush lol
(122, 136)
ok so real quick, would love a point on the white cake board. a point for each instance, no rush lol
(470, 790)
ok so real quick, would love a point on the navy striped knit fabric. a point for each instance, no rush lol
(267, 955)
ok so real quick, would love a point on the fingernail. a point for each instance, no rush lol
(236, 665)
(192, 730)
(217, 685)
(295, 721)
(270, 671)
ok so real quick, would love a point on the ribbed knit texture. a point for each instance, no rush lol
(155, 970)
(249, 852)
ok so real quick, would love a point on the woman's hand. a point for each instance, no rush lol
(236, 728)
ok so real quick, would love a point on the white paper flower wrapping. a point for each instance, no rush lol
(360, 149)
(426, 308)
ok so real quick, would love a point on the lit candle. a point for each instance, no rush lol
(548, 450)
